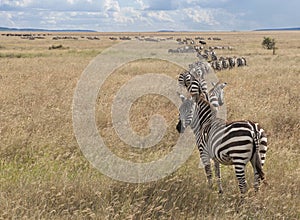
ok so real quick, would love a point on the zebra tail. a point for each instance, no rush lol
(259, 166)
(258, 163)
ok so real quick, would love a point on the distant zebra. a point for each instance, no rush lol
(241, 61)
(231, 62)
(225, 62)
(202, 56)
(216, 65)
(213, 55)
(234, 143)
(199, 69)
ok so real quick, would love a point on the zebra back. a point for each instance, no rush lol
(198, 87)
(184, 79)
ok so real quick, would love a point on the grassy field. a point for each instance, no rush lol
(44, 175)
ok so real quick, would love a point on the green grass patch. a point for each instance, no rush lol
(23, 55)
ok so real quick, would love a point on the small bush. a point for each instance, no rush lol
(268, 43)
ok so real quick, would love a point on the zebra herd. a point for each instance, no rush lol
(228, 143)
(221, 63)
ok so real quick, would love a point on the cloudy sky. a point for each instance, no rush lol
(150, 15)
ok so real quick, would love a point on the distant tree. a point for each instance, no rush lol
(269, 44)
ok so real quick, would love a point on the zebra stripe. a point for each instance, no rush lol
(232, 143)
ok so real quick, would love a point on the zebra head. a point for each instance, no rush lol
(218, 91)
(186, 113)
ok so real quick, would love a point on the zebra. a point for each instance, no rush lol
(231, 62)
(213, 55)
(216, 65)
(235, 143)
(216, 99)
(184, 79)
(225, 62)
(197, 72)
(202, 56)
(216, 94)
(198, 87)
(241, 61)
(199, 69)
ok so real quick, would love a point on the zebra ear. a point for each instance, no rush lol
(224, 85)
(213, 84)
(182, 97)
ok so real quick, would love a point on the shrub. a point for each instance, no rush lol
(268, 43)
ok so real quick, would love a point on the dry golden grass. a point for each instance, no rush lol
(43, 174)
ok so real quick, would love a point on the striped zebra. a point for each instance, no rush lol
(214, 56)
(234, 143)
(241, 61)
(184, 79)
(198, 87)
(199, 69)
(231, 62)
(216, 94)
(216, 65)
(225, 63)
(216, 99)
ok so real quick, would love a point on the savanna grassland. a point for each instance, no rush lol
(44, 175)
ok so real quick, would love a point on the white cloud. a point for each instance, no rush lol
(199, 15)
(111, 6)
(141, 4)
(148, 15)
(160, 16)
(16, 3)
(7, 19)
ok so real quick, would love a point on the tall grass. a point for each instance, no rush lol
(43, 174)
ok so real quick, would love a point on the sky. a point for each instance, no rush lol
(150, 15)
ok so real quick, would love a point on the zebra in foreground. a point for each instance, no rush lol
(234, 143)
(216, 99)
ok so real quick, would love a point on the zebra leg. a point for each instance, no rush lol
(218, 176)
(208, 172)
(240, 175)
(205, 161)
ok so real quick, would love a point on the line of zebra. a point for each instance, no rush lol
(221, 63)
(224, 63)
(228, 143)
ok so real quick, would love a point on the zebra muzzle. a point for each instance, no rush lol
(180, 127)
